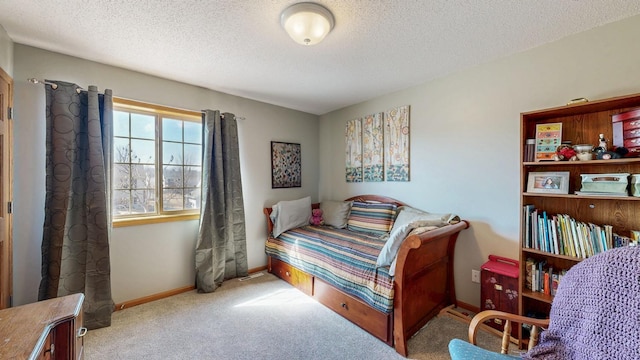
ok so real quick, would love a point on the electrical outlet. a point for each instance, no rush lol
(475, 276)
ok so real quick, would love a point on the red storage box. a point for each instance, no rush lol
(499, 288)
(626, 129)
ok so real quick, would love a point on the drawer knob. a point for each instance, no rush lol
(82, 332)
(287, 273)
(344, 305)
(51, 351)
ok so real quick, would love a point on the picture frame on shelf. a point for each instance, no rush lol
(548, 182)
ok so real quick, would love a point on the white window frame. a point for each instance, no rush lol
(160, 112)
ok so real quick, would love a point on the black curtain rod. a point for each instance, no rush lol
(55, 86)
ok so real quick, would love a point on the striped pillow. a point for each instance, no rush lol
(375, 218)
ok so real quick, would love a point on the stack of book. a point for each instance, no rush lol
(542, 278)
(562, 235)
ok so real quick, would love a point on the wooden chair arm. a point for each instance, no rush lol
(481, 317)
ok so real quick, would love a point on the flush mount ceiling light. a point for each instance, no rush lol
(307, 23)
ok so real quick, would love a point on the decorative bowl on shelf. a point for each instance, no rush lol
(583, 151)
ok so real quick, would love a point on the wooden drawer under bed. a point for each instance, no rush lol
(299, 279)
(373, 321)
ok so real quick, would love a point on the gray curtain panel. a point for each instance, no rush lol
(75, 242)
(221, 249)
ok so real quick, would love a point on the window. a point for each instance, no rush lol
(157, 162)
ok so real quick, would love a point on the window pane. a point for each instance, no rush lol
(121, 202)
(143, 202)
(172, 129)
(121, 150)
(193, 132)
(120, 123)
(192, 154)
(171, 153)
(192, 198)
(121, 178)
(143, 126)
(143, 177)
(192, 176)
(143, 151)
(172, 176)
(172, 199)
(157, 161)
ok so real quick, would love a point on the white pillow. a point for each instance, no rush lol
(288, 215)
(335, 213)
(407, 220)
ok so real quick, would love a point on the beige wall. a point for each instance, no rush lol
(152, 258)
(465, 133)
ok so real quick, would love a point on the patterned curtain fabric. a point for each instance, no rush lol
(75, 243)
(221, 249)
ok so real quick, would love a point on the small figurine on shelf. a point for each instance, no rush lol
(602, 144)
(601, 150)
(565, 152)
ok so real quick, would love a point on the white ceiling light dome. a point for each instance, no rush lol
(307, 23)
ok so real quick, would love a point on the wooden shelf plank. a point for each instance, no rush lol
(582, 163)
(545, 253)
(574, 196)
(538, 296)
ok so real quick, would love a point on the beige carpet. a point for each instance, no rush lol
(262, 318)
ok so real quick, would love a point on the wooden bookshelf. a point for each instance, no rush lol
(581, 124)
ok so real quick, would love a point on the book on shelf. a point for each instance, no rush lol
(555, 281)
(553, 234)
(529, 272)
(526, 217)
(546, 288)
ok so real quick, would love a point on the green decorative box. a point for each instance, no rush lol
(605, 183)
(634, 185)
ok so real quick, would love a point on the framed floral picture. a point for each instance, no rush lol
(286, 165)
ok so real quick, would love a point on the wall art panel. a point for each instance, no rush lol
(396, 144)
(372, 148)
(353, 138)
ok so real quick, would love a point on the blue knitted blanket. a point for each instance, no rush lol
(596, 311)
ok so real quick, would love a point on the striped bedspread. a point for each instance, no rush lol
(342, 258)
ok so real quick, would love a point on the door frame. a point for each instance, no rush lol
(6, 194)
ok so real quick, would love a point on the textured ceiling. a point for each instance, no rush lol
(238, 46)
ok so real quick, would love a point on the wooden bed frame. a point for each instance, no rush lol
(423, 283)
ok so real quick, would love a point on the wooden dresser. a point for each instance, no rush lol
(49, 329)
